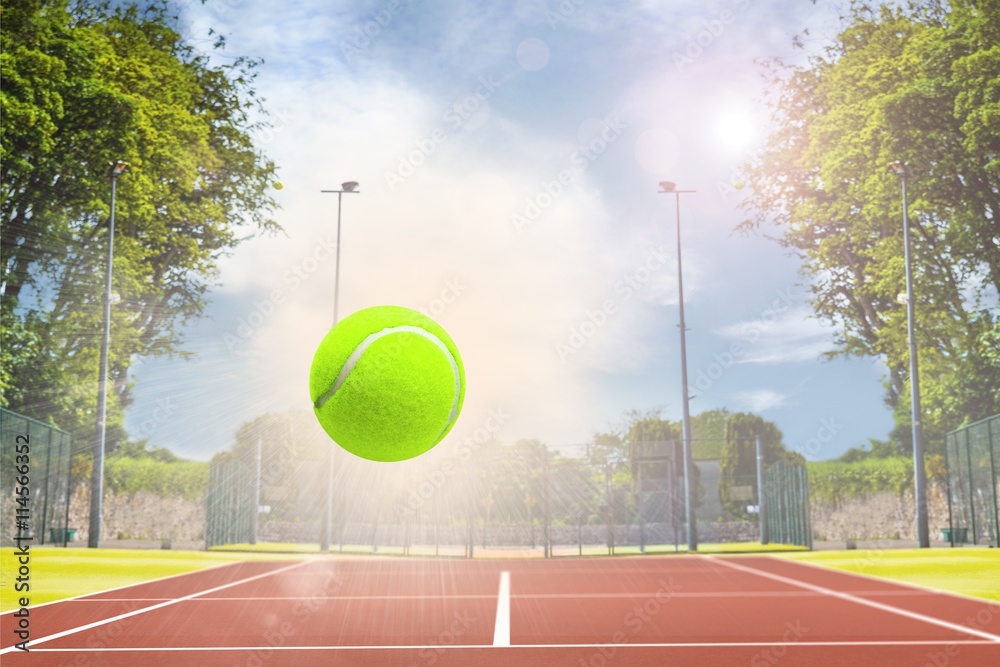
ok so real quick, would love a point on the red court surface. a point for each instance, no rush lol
(673, 610)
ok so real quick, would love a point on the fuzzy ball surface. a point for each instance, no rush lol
(387, 383)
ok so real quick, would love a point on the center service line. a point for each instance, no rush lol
(501, 633)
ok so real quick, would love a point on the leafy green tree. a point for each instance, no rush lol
(876, 449)
(738, 463)
(660, 437)
(708, 431)
(918, 83)
(86, 84)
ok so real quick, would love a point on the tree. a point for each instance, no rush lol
(708, 431)
(738, 463)
(921, 84)
(86, 84)
(876, 449)
(658, 438)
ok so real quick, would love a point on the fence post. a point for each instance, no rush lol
(255, 511)
(761, 493)
(640, 506)
(610, 514)
(972, 491)
(947, 476)
(48, 484)
(547, 546)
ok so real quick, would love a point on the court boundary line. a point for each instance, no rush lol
(529, 596)
(161, 605)
(501, 631)
(406, 647)
(873, 577)
(862, 601)
(76, 598)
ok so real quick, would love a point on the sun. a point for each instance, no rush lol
(735, 130)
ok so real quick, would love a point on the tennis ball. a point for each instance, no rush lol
(387, 383)
(278, 185)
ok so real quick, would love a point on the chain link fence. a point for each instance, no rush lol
(275, 492)
(972, 455)
(34, 481)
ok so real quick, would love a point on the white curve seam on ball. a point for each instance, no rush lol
(367, 342)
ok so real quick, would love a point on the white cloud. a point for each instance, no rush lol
(758, 400)
(791, 336)
(523, 293)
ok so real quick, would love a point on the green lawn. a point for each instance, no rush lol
(705, 548)
(973, 572)
(63, 573)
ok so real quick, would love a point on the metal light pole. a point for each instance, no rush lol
(919, 472)
(97, 475)
(349, 187)
(668, 187)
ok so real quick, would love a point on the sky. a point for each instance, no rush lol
(509, 155)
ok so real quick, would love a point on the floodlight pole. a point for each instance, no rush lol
(670, 188)
(349, 188)
(97, 475)
(919, 472)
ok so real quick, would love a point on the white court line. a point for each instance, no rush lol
(161, 605)
(915, 588)
(530, 596)
(862, 601)
(501, 632)
(82, 596)
(445, 647)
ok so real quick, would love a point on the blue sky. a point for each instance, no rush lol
(509, 155)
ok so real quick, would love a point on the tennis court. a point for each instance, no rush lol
(677, 610)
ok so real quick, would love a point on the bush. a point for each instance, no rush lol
(185, 479)
(836, 481)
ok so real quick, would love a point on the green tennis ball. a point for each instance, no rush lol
(387, 383)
